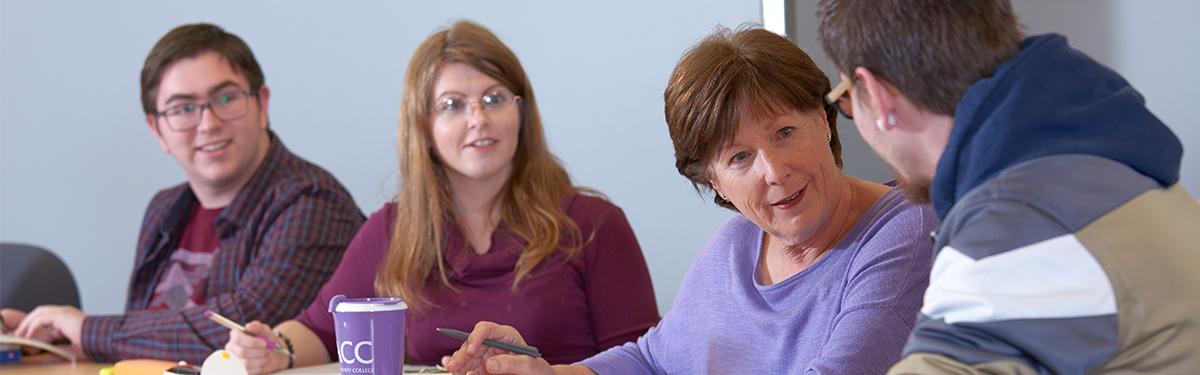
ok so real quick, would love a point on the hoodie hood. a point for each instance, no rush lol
(1050, 99)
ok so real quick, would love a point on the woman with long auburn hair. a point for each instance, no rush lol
(486, 226)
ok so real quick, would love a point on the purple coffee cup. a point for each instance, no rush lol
(370, 334)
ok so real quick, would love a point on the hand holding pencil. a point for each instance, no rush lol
(234, 326)
(477, 356)
(255, 344)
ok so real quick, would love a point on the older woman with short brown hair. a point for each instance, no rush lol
(820, 273)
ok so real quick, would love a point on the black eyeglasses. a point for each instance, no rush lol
(226, 105)
(839, 98)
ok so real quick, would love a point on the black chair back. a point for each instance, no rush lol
(31, 276)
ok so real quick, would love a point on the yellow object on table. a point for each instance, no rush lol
(143, 367)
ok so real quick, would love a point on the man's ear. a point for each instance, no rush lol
(152, 124)
(264, 103)
(880, 98)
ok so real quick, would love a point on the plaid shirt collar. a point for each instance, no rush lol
(238, 210)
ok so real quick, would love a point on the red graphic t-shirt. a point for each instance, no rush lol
(185, 279)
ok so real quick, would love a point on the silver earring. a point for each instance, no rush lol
(892, 119)
(879, 124)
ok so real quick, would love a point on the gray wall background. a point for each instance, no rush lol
(77, 164)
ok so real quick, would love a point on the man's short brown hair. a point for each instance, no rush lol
(753, 70)
(931, 50)
(189, 41)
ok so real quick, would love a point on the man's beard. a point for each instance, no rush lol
(916, 189)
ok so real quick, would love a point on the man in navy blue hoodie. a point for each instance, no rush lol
(1067, 246)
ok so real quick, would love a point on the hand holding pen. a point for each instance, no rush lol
(481, 356)
(514, 348)
(234, 326)
(257, 346)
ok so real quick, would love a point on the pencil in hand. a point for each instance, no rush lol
(227, 323)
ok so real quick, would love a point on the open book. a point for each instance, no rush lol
(6, 339)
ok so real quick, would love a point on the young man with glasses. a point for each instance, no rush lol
(253, 233)
(1067, 245)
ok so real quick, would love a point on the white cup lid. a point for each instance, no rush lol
(371, 305)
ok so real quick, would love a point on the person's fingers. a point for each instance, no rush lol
(263, 333)
(37, 320)
(258, 328)
(256, 360)
(468, 355)
(248, 347)
(456, 360)
(257, 365)
(255, 354)
(34, 327)
(517, 364)
(252, 348)
(236, 349)
(246, 341)
(27, 324)
(40, 324)
(255, 368)
(233, 348)
(474, 343)
(471, 354)
(461, 361)
(488, 330)
(11, 318)
(235, 338)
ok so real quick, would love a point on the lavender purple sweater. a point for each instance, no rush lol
(850, 313)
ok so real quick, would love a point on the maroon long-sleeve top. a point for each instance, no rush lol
(570, 308)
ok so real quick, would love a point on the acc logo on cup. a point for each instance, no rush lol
(357, 353)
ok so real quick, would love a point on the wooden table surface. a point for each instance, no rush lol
(50, 365)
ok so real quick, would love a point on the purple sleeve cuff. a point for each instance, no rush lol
(96, 334)
(623, 359)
